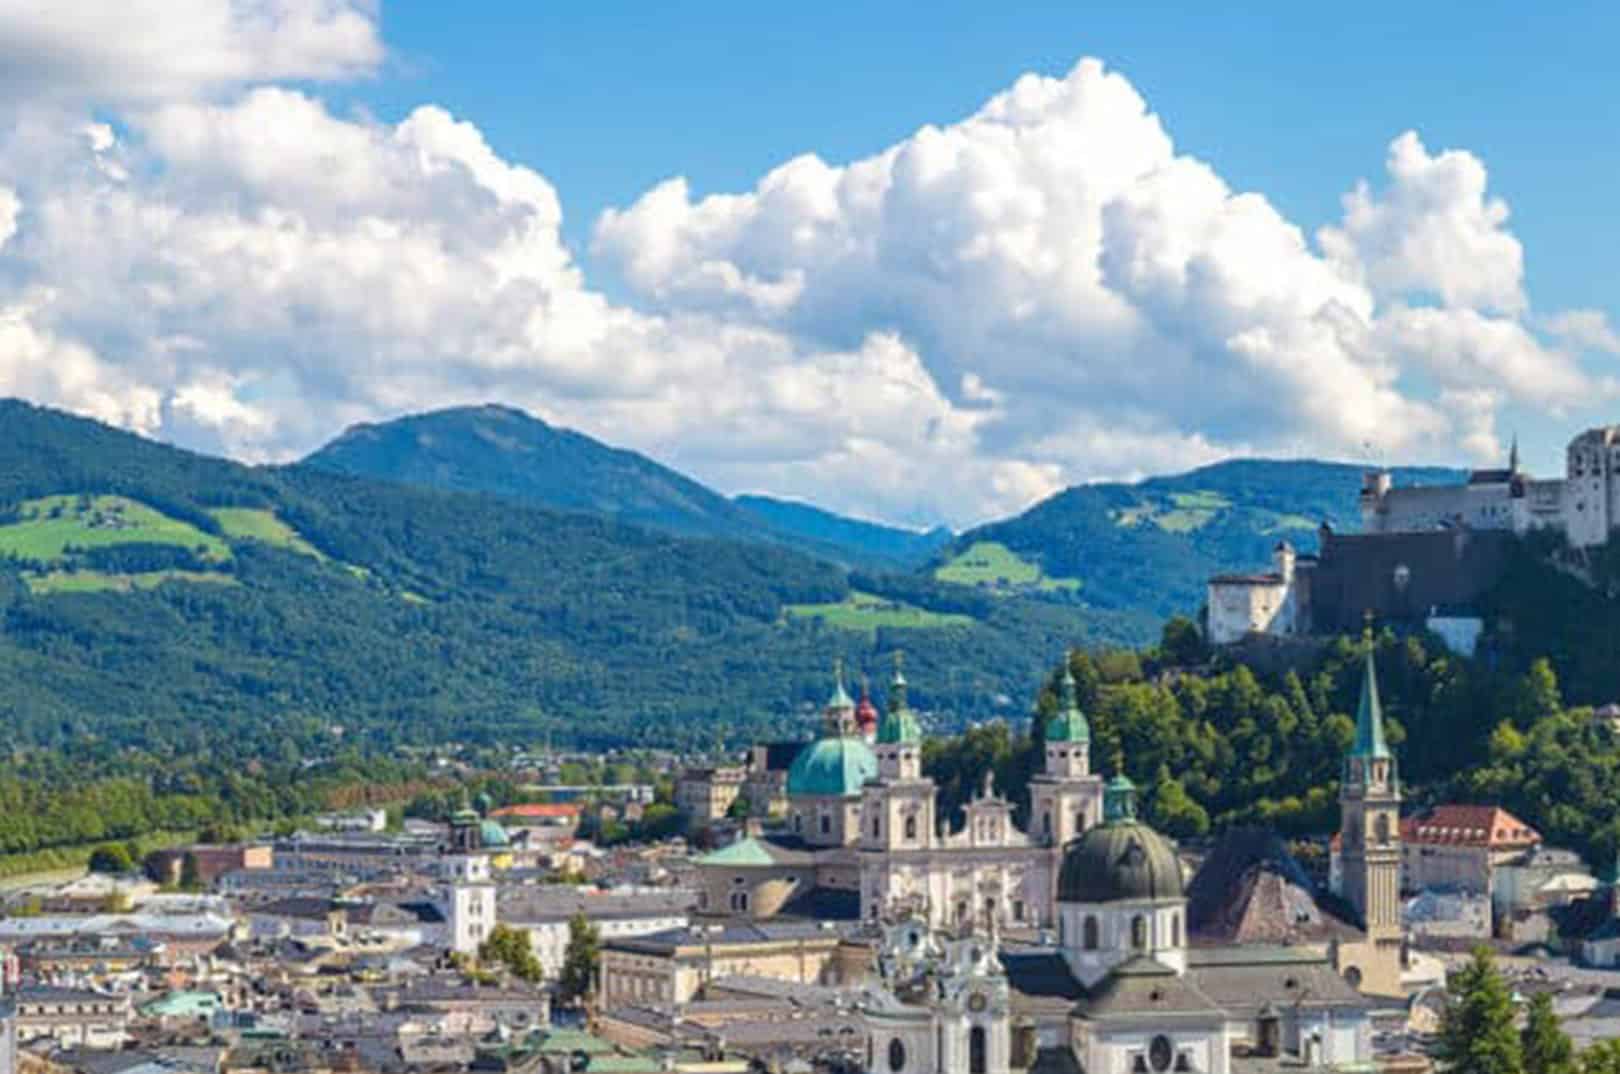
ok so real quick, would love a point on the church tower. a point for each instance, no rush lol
(1370, 848)
(897, 809)
(1065, 798)
(1370, 818)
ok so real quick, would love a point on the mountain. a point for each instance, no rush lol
(814, 527)
(155, 598)
(508, 453)
(1150, 546)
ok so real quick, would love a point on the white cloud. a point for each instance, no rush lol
(1586, 329)
(113, 51)
(1042, 293)
(1433, 232)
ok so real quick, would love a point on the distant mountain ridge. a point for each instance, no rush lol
(508, 453)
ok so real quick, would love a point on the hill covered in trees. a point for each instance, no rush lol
(1151, 546)
(156, 596)
(507, 453)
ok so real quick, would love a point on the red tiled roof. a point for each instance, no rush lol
(539, 810)
(1469, 825)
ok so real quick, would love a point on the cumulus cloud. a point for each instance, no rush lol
(137, 50)
(1041, 293)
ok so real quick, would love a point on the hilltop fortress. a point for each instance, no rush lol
(1426, 553)
(1584, 503)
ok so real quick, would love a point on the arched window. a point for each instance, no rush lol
(1161, 1053)
(826, 824)
(877, 828)
(911, 827)
(1139, 932)
(978, 1051)
(1175, 930)
(1079, 821)
(798, 822)
(897, 1055)
(1381, 828)
(739, 901)
(1090, 933)
(1046, 824)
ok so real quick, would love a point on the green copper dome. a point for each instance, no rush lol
(1069, 725)
(1120, 861)
(491, 834)
(832, 767)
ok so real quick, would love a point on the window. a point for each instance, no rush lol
(798, 822)
(1175, 930)
(1161, 1053)
(1018, 909)
(877, 828)
(1046, 824)
(911, 827)
(1139, 932)
(1090, 933)
(897, 1055)
(826, 824)
(978, 1058)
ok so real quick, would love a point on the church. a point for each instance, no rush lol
(1128, 987)
(863, 836)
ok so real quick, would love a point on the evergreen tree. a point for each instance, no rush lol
(1547, 1050)
(1601, 1058)
(1476, 1031)
(111, 858)
(580, 959)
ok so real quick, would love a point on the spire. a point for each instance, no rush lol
(840, 698)
(897, 685)
(1369, 716)
(1513, 456)
(1069, 725)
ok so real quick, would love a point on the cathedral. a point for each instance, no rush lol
(862, 829)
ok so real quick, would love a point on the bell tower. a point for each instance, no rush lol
(1370, 820)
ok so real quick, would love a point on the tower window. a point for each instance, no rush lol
(876, 828)
(911, 827)
(1175, 930)
(1139, 932)
(826, 824)
(1090, 937)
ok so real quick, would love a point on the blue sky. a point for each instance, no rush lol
(1290, 99)
(242, 234)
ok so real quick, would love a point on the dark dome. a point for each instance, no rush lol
(1118, 861)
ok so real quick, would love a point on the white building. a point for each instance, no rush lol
(1261, 603)
(1584, 504)
(546, 912)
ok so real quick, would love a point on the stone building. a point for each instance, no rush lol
(863, 833)
(705, 795)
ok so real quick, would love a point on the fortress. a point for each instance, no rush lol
(1584, 503)
(1426, 554)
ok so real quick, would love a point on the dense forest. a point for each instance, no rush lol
(408, 615)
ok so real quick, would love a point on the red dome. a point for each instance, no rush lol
(866, 714)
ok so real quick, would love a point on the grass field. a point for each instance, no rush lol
(994, 565)
(863, 611)
(257, 524)
(49, 526)
(101, 582)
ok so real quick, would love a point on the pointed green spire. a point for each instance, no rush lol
(1069, 725)
(1370, 742)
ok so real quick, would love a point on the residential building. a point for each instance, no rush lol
(74, 1018)
(545, 913)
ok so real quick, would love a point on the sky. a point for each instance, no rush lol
(920, 263)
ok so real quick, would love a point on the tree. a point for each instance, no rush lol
(190, 877)
(111, 858)
(511, 948)
(1476, 1031)
(1174, 812)
(1547, 1050)
(1601, 1058)
(580, 959)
